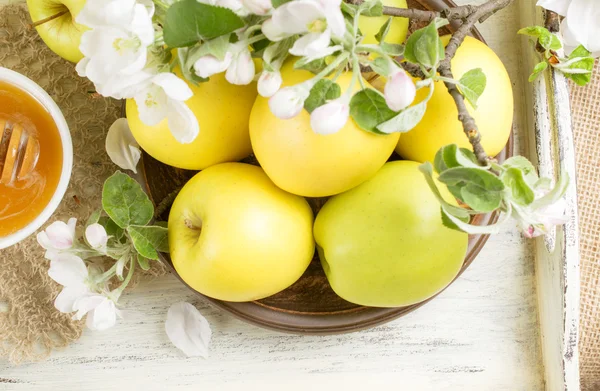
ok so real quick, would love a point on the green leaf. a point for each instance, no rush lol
(427, 171)
(321, 92)
(381, 65)
(384, 30)
(537, 70)
(143, 262)
(452, 156)
(185, 65)
(314, 66)
(472, 84)
(149, 240)
(392, 49)
(277, 3)
(112, 229)
(425, 47)
(557, 192)
(215, 47)
(349, 9)
(189, 21)
(480, 189)
(405, 121)
(545, 38)
(371, 8)
(94, 217)
(438, 161)
(449, 223)
(523, 164)
(479, 229)
(517, 187)
(125, 202)
(586, 64)
(368, 109)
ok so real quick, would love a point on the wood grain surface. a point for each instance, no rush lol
(480, 334)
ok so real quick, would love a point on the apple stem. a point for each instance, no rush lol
(190, 225)
(49, 18)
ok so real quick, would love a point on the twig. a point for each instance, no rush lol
(412, 69)
(469, 125)
(552, 21)
(455, 13)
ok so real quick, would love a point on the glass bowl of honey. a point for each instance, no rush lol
(36, 157)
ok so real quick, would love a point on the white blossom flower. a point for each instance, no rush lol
(96, 236)
(58, 237)
(101, 311)
(269, 83)
(70, 271)
(331, 117)
(317, 20)
(188, 330)
(100, 13)
(164, 98)
(543, 220)
(258, 7)
(580, 26)
(399, 90)
(121, 146)
(288, 102)
(209, 65)
(241, 70)
(114, 51)
(234, 5)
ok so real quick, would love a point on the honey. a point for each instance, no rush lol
(22, 201)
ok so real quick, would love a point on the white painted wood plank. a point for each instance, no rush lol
(480, 334)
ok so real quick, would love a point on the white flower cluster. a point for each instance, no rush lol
(581, 25)
(84, 290)
(118, 60)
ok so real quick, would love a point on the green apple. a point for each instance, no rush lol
(235, 236)
(61, 34)
(383, 244)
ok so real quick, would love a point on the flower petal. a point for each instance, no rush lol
(183, 124)
(258, 7)
(288, 102)
(330, 117)
(106, 12)
(103, 316)
(558, 6)
(174, 87)
(60, 235)
(209, 65)
(269, 83)
(68, 270)
(65, 301)
(96, 236)
(188, 330)
(242, 70)
(85, 304)
(581, 26)
(152, 105)
(399, 91)
(312, 44)
(121, 146)
(141, 25)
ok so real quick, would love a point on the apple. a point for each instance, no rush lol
(383, 244)
(61, 34)
(235, 236)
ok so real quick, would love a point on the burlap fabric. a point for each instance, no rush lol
(585, 105)
(30, 326)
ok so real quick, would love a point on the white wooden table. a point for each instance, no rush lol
(480, 334)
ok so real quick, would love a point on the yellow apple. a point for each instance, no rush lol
(383, 244)
(222, 110)
(305, 163)
(62, 34)
(369, 26)
(235, 236)
(440, 125)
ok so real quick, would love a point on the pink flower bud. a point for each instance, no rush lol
(209, 65)
(331, 117)
(269, 83)
(399, 91)
(258, 7)
(288, 102)
(96, 236)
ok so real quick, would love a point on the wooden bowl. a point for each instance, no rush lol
(309, 306)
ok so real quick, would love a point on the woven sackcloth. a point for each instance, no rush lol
(585, 105)
(30, 326)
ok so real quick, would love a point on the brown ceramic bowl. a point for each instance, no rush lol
(309, 306)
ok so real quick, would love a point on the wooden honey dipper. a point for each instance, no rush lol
(19, 152)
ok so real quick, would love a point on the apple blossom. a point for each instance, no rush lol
(399, 90)
(241, 70)
(57, 237)
(258, 7)
(164, 98)
(188, 330)
(269, 83)
(319, 20)
(70, 271)
(111, 51)
(101, 311)
(96, 236)
(288, 102)
(121, 146)
(99, 13)
(331, 117)
(543, 220)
